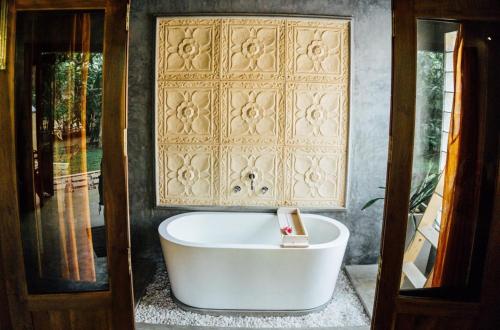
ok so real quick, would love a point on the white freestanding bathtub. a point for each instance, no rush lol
(224, 260)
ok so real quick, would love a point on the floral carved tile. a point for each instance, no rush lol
(317, 51)
(315, 177)
(187, 175)
(187, 112)
(188, 48)
(252, 49)
(252, 113)
(238, 162)
(261, 95)
(316, 115)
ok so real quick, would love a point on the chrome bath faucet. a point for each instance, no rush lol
(251, 176)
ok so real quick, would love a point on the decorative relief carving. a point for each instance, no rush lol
(238, 162)
(187, 112)
(316, 115)
(252, 113)
(317, 51)
(316, 176)
(188, 48)
(267, 96)
(187, 174)
(253, 49)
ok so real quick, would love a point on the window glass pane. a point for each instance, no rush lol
(434, 102)
(58, 112)
(454, 128)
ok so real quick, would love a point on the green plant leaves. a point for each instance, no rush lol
(371, 202)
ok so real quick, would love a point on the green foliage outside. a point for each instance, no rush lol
(68, 151)
(430, 83)
(67, 110)
(68, 84)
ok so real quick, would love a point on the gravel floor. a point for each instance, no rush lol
(157, 307)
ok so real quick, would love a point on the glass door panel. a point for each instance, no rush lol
(452, 72)
(59, 87)
(435, 45)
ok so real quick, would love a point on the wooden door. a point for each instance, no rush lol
(111, 305)
(475, 306)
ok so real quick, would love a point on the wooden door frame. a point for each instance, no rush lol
(119, 297)
(388, 301)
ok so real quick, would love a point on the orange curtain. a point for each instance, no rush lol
(75, 237)
(461, 170)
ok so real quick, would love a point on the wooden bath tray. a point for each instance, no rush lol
(290, 217)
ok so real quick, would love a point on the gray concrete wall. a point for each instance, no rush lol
(369, 111)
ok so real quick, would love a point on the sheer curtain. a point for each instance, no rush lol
(461, 170)
(75, 237)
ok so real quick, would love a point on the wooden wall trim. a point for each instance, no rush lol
(59, 4)
(490, 291)
(399, 163)
(389, 305)
(64, 301)
(5, 322)
(485, 10)
(10, 233)
(115, 171)
(436, 307)
(119, 299)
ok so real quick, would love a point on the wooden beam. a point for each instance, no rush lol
(490, 290)
(436, 307)
(11, 253)
(115, 170)
(414, 275)
(4, 8)
(4, 307)
(59, 4)
(490, 308)
(484, 10)
(64, 301)
(399, 163)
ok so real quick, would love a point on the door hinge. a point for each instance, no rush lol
(127, 19)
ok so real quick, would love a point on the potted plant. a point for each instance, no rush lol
(419, 199)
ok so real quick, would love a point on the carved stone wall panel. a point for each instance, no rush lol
(188, 48)
(253, 49)
(187, 112)
(238, 162)
(240, 95)
(315, 176)
(317, 50)
(252, 113)
(188, 175)
(316, 115)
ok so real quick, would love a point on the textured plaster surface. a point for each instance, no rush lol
(368, 122)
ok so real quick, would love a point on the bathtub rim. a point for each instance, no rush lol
(340, 241)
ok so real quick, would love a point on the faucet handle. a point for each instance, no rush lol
(251, 176)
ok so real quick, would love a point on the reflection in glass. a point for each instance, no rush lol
(453, 129)
(59, 108)
(434, 104)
